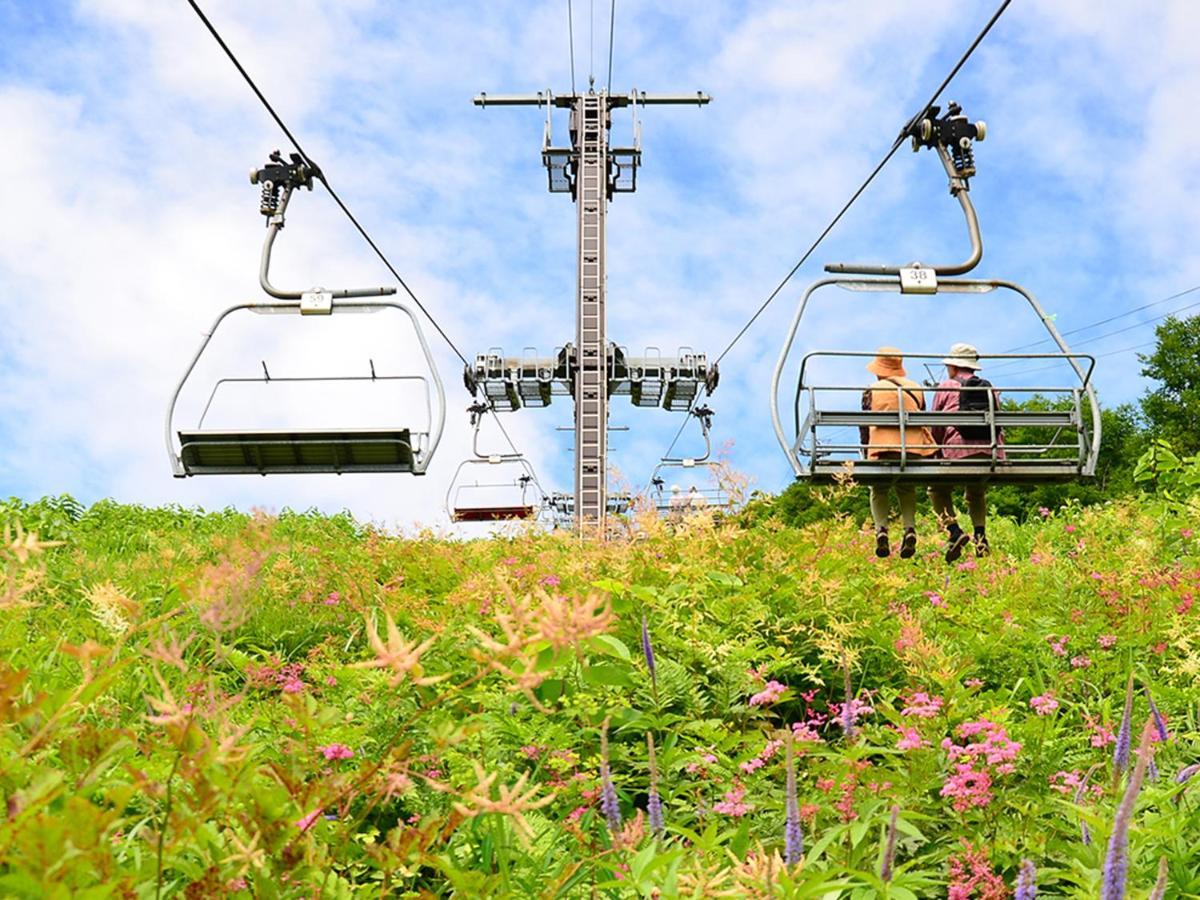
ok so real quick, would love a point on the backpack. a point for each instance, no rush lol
(974, 398)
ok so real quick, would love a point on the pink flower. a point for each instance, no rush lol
(1185, 533)
(1069, 528)
(1080, 662)
(333, 599)
(936, 599)
(576, 814)
(802, 731)
(336, 751)
(292, 685)
(752, 765)
(922, 705)
(1044, 512)
(1044, 704)
(769, 694)
(306, 822)
(732, 805)
(968, 566)
(1107, 641)
(910, 739)
(1066, 782)
(968, 787)
(974, 682)
(1058, 645)
(551, 581)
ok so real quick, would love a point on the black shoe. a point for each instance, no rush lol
(954, 549)
(882, 546)
(908, 546)
(982, 547)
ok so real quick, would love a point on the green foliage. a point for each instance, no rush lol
(1172, 408)
(229, 705)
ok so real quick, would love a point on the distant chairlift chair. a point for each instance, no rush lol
(696, 497)
(494, 500)
(1063, 440)
(397, 448)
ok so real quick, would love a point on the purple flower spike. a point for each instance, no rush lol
(793, 832)
(889, 850)
(1160, 885)
(655, 808)
(848, 705)
(1026, 881)
(1116, 860)
(648, 652)
(610, 806)
(1160, 724)
(654, 805)
(1186, 773)
(1124, 734)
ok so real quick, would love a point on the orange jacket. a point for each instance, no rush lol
(883, 441)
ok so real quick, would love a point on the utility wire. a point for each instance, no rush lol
(1097, 324)
(345, 209)
(571, 34)
(1127, 328)
(1098, 356)
(591, 43)
(874, 172)
(612, 25)
(321, 175)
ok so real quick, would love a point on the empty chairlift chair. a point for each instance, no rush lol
(1057, 441)
(403, 446)
(505, 487)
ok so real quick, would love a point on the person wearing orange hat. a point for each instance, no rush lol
(892, 391)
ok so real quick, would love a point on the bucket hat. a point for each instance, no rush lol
(887, 361)
(965, 356)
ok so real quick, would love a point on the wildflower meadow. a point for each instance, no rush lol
(227, 705)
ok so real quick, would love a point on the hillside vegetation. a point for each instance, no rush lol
(210, 705)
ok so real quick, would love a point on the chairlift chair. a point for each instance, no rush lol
(495, 499)
(694, 498)
(1066, 438)
(400, 447)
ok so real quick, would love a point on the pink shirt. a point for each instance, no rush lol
(954, 445)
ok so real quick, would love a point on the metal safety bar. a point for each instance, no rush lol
(1088, 464)
(435, 408)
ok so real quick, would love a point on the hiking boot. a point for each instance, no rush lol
(954, 548)
(882, 546)
(908, 546)
(982, 547)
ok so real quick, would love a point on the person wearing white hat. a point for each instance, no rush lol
(891, 390)
(964, 390)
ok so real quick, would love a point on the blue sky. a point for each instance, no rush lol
(129, 223)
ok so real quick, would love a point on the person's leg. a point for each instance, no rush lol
(977, 505)
(907, 495)
(942, 498)
(879, 515)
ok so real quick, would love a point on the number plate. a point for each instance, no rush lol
(918, 280)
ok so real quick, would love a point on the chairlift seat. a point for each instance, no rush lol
(1004, 418)
(287, 451)
(924, 471)
(492, 513)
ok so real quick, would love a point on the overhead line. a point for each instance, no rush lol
(1098, 356)
(1097, 324)
(571, 35)
(345, 209)
(612, 26)
(321, 176)
(874, 172)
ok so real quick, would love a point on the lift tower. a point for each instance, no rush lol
(592, 171)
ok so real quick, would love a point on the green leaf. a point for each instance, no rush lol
(613, 676)
(606, 643)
